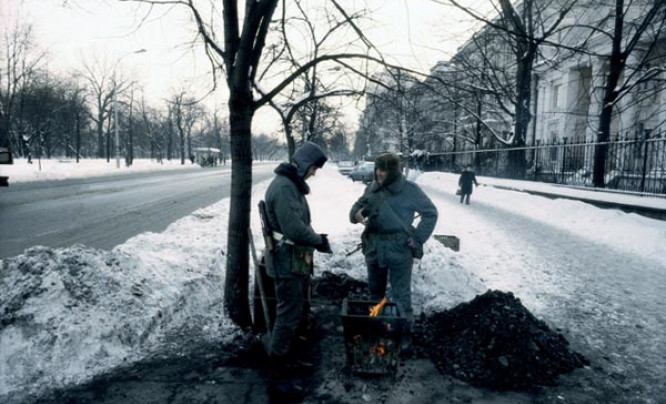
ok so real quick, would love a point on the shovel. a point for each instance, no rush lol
(266, 338)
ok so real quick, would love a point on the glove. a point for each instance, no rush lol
(324, 246)
(359, 216)
(412, 243)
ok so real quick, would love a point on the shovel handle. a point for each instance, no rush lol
(260, 283)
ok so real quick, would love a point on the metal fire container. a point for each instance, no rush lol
(372, 343)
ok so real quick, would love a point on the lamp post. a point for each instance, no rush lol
(115, 105)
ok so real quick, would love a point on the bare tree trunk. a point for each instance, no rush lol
(182, 145)
(78, 136)
(130, 134)
(237, 275)
(616, 65)
(170, 140)
(100, 137)
(108, 139)
(517, 164)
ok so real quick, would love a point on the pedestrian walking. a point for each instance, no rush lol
(390, 241)
(467, 177)
(290, 265)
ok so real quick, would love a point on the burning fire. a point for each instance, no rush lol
(374, 311)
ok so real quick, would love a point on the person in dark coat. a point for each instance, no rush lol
(465, 183)
(288, 214)
(387, 209)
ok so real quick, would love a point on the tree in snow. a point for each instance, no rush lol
(236, 46)
(633, 30)
(503, 58)
(20, 61)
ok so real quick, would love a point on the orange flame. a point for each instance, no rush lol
(374, 311)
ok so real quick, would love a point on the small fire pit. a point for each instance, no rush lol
(372, 342)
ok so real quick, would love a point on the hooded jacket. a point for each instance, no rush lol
(286, 207)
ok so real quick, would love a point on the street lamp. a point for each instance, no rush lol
(115, 104)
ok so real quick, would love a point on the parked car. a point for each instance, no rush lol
(363, 172)
(5, 158)
(345, 167)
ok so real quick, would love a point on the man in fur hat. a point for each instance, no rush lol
(288, 214)
(391, 243)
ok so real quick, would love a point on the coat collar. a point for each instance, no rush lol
(394, 186)
(290, 171)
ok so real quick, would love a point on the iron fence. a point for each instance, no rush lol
(632, 165)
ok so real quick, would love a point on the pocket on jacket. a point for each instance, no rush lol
(301, 263)
(282, 262)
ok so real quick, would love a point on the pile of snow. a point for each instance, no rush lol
(69, 314)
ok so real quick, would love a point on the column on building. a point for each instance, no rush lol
(567, 110)
(661, 130)
(596, 95)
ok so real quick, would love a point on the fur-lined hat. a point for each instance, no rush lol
(390, 163)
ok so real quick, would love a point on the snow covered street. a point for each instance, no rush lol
(597, 275)
(598, 281)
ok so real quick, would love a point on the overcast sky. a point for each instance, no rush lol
(415, 33)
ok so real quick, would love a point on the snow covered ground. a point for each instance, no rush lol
(60, 169)
(68, 314)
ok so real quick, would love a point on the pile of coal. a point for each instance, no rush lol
(493, 341)
(336, 287)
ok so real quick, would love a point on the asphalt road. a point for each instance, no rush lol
(103, 212)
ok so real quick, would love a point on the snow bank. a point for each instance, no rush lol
(69, 314)
(60, 169)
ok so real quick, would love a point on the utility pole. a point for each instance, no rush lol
(115, 104)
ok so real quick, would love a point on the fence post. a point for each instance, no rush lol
(564, 157)
(645, 159)
(536, 159)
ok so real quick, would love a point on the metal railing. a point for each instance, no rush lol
(636, 165)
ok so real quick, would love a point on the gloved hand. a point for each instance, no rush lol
(412, 243)
(358, 216)
(324, 246)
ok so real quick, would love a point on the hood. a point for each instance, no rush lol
(307, 155)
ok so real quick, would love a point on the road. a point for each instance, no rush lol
(103, 212)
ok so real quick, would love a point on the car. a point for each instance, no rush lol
(364, 172)
(345, 167)
(5, 158)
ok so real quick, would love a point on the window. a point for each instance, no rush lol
(556, 101)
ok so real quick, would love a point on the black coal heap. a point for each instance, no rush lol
(494, 341)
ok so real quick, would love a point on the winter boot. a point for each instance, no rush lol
(406, 348)
(282, 385)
